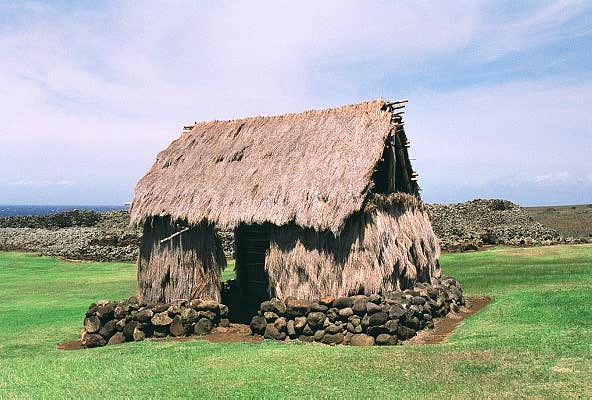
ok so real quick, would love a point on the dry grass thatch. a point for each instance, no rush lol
(184, 267)
(312, 169)
(390, 245)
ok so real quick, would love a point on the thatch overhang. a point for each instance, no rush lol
(313, 169)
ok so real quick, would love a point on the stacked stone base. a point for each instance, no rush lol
(360, 320)
(129, 320)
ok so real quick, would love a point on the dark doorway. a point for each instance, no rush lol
(251, 244)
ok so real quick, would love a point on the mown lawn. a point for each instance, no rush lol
(534, 340)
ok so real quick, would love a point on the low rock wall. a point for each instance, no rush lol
(359, 320)
(130, 320)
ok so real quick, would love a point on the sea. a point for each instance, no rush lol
(11, 211)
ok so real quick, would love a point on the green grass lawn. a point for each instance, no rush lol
(534, 340)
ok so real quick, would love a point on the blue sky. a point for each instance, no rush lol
(499, 92)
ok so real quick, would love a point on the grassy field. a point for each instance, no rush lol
(575, 221)
(534, 340)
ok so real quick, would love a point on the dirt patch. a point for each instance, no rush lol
(70, 345)
(235, 334)
(444, 327)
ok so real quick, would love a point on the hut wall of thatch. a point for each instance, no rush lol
(389, 245)
(186, 266)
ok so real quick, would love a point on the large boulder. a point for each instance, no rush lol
(299, 323)
(336, 338)
(161, 319)
(208, 305)
(177, 328)
(108, 329)
(203, 326)
(297, 308)
(106, 312)
(359, 307)
(271, 332)
(396, 311)
(378, 318)
(361, 339)
(316, 319)
(117, 338)
(278, 307)
(144, 315)
(385, 339)
(373, 308)
(92, 324)
(343, 302)
(128, 330)
(189, 315)
(92, 340)
(258, 324)
(138, 335)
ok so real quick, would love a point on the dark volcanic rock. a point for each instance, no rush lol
(258, 325)
(108, 329)
(203, 326)
(92, 324)
(373, 308)
(161, 319)
(278, 307)
(208, 305)
(333, 329)
(343, 302)
(405, 333)
(396, 311)
(378, 318)
(316, 319)
(118, 338)
(418, 300)
(386, 340)
(345, 313)
(362, 340)
(144, 315)
(318, 307)
(329, 338)
(290, 329)
(177, 328)
(93, 340)
(359, 307)
(128, 330)
(297, 308)
(138, 335)
(271, 332)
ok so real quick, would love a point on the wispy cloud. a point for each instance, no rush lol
(562, 177)
(24, 182)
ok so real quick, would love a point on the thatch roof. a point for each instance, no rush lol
(312, 168)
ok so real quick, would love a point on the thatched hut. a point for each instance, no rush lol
(322, 202)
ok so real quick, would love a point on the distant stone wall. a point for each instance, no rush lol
(81, 235)
(359, 320)
(473, 224)
(129, 320)
(77, 235)
(89, 235)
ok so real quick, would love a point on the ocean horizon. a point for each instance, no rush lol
(25, 210)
